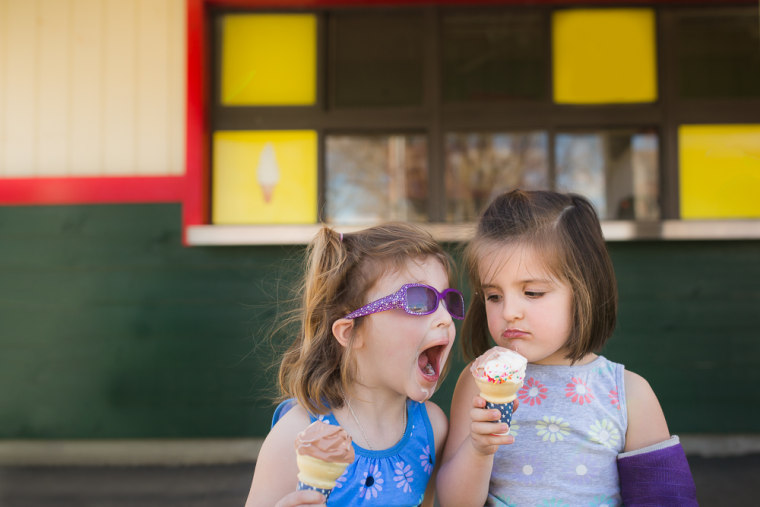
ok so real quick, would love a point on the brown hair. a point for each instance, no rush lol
(564, 229)
(340, 271)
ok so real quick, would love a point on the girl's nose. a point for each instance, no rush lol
(512, 310)
(442, 315)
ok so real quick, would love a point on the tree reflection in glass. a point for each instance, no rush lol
(617, 170)
(375, 178)
(481, 165)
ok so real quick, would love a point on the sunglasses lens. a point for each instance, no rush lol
(455, 304)
(420, 300)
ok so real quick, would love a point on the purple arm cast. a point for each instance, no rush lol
(660, 476)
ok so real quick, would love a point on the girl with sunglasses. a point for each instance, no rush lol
(588, 432)
(374, 334)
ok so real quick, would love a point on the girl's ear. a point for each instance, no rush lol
(342, 330)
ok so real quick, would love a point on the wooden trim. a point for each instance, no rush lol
(196, 203)
(171, 452)
(97, 190)
(695, 230)
(129, 452)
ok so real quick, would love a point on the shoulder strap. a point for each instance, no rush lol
(282, 409)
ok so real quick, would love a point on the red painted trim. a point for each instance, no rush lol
(196, 204)
(124, 189)
(305, 4)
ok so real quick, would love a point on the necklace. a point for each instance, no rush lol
(361, 429)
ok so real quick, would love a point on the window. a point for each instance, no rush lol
(423, 113)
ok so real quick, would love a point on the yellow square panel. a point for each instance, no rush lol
(604, 56)
(719, 171)
(269, 60)
(264, 177)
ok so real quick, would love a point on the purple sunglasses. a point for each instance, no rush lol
(415, 299)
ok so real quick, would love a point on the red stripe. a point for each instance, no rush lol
(127, 189)
(303, 4)
(196, 204)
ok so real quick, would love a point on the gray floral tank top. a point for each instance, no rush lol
(569, 428)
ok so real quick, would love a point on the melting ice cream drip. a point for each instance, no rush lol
(267, 172)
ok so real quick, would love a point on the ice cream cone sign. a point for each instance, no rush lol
(267, 172)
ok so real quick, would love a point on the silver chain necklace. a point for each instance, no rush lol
(361, 429)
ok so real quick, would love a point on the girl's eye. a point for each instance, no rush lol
(493, 298)
(534, 294)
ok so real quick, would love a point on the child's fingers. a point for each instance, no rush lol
(478, 402)
(488, 428)
(486, 442)
(480, 414)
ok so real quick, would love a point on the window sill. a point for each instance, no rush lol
(228, 235)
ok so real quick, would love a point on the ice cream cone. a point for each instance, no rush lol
(323, 452)
(267, 172)
(314, 473)
(267, 191)
(499, 373)
(498, 393)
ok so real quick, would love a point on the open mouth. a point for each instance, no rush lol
(429, 362)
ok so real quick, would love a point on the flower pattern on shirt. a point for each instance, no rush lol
(372, 483)
(426, 459)
(505, 502)
(553, 502)
(578, 391)
(341, 480)
(604, 432)
(403, 476)
(604, 501)
(532, 392)
(552, 428)
(614, 398)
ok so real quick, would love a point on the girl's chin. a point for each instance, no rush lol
(423, 393)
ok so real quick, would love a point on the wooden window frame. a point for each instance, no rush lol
(436, 119)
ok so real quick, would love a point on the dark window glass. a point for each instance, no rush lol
(719, 54)
(377, 58)
(492, 55)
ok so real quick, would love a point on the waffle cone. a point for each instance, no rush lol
(498, 393)
(318, 473)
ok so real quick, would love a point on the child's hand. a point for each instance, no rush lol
(485, 425)
(303, 497)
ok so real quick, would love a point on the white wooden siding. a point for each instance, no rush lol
(92, 87)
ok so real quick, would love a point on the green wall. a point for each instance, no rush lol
(109, 328)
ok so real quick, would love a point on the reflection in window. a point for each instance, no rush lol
(617, 170)
(376, 178)
(480, 166)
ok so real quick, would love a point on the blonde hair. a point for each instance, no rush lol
(340, 271)
(564, 230)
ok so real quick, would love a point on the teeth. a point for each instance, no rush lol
(429, 370)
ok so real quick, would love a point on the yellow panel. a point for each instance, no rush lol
(719, 171)
(604, 56)
(269, 59)
(265, 177)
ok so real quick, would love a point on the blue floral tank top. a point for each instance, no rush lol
(397, 476)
